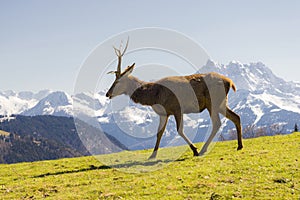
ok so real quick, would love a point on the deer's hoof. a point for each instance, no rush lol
(152, 157)
(196, 153)
(240, 147)
(201, 153)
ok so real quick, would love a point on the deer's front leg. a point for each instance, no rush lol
(161, 128)
(179, 123)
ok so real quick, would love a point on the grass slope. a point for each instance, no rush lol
(267, 168)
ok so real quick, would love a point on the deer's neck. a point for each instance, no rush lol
(134, 83)
(142, 92)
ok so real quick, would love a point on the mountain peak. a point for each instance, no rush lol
(56, 103)
(255, 77)
(235, 62)
(212, 64)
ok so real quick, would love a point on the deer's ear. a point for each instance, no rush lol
(128, 70)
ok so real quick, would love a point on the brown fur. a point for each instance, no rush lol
(166, 91)
(178, 95)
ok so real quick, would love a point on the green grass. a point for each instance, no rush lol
(267, 168)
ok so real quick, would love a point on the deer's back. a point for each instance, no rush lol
(191, 93)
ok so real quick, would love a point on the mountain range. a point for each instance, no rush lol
(263, 100)
(44, 137)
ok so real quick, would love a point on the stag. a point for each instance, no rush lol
(178, 95)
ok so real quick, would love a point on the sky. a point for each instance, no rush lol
(44, 43)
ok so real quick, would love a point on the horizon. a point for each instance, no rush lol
(44, 44)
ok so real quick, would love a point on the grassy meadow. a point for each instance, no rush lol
(267, 168)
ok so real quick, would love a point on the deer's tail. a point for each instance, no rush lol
(229, 84)
(232, 85)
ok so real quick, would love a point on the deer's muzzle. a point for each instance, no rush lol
(108, 95)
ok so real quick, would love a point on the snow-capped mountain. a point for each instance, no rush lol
(254, 77)
(15, 103)
(262, 99)
(56, 103)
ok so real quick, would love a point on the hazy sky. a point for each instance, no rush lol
(43, 43)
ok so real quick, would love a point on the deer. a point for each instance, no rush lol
(178, 95)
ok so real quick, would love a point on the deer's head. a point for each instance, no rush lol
(121, 83)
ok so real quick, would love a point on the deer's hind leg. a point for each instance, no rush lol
(235, 118)
(179, 123)
(216, 122)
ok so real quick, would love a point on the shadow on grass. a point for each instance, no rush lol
(90, 168)
(104, 167)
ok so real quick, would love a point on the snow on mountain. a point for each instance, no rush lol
(56, 103)
(15, 103)
(90, 103)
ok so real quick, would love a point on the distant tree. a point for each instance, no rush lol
(261, 131)
(249, 131)
(277, 129)
(296, 128)
(232, 134)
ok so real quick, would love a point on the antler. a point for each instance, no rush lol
(120, 53)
